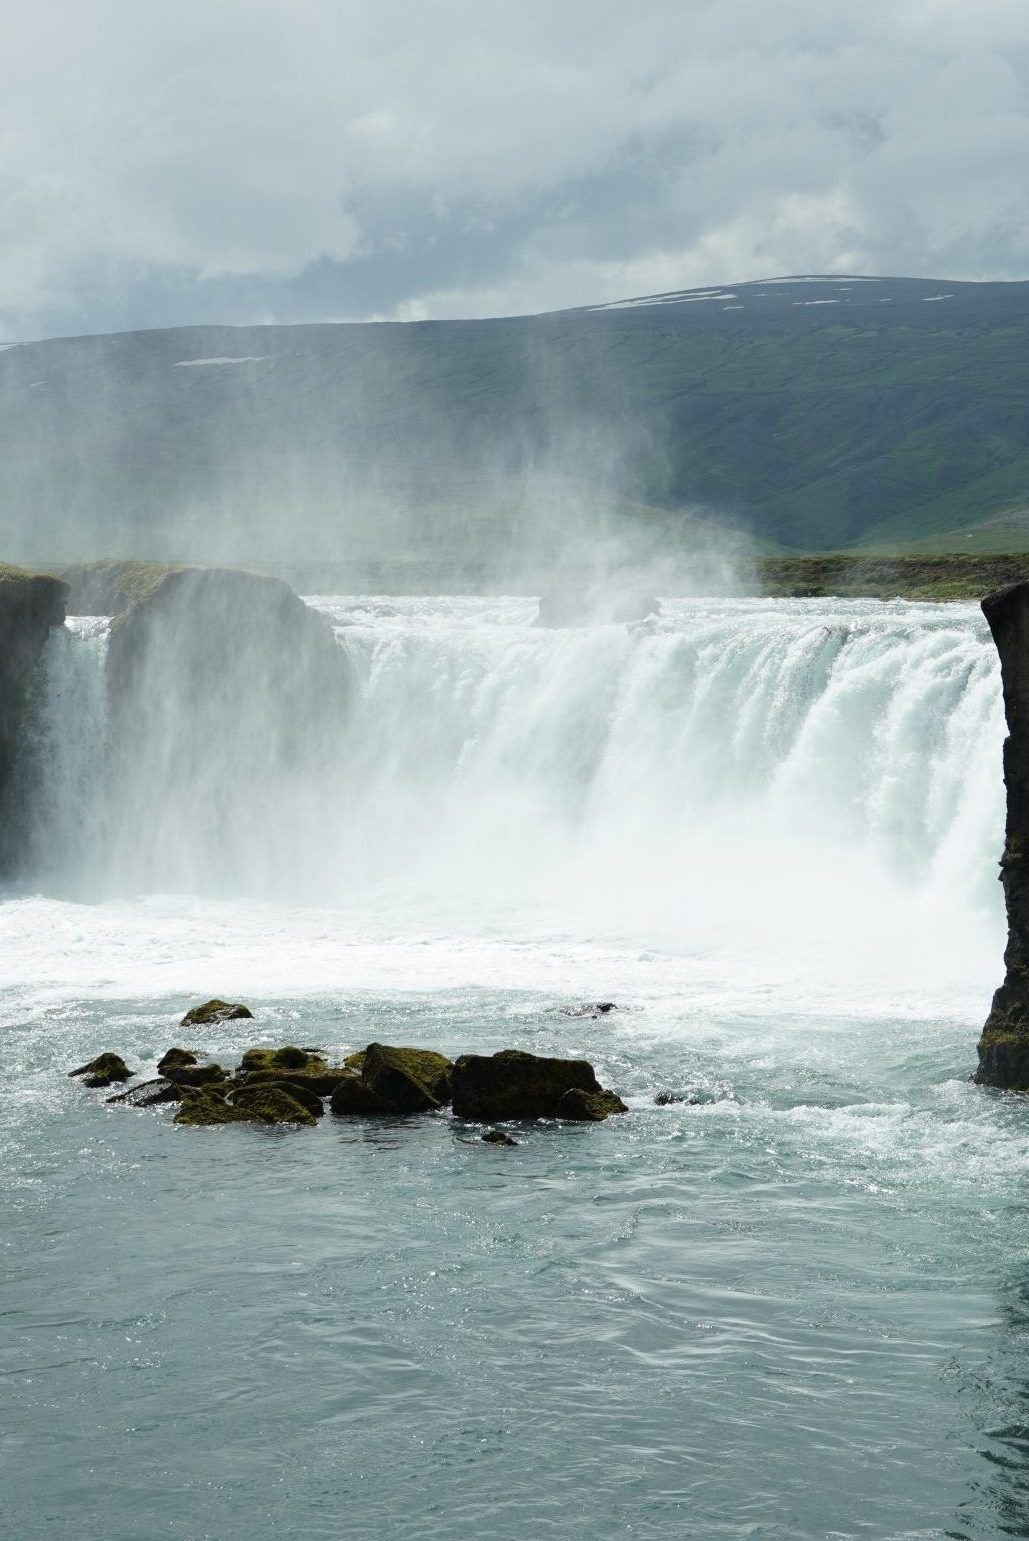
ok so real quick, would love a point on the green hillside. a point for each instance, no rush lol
(812, 415)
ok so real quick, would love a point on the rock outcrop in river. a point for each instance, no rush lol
(289, 1085)
(1004, 1045)
(31, 604)
(226, 702)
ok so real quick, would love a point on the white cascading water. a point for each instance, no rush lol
(59, 778)
(782, 776)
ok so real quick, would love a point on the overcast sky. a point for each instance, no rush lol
(170, 161)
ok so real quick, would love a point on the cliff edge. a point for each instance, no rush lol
(31, 604)
(1004, 1045)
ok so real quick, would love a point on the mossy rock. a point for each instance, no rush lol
(266, 1105)
(512, 1084)
(287, 1058)
(1003, 1059)
(176, 1059)
(215, 1011)
(271, 1105)
(322, 1082)
(198, 1075)
(202, 1107)
(589, 1107)
(354, 1061)
(354, 1098)
(256, 1098)
(394, 1080)
(408, 1080)
(104, 1070)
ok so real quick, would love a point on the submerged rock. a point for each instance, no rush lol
(497, 1137)
(215, 1011)
(104, 1070)
(513, 1084)
(394, 1080)
(592, 1009)
(1004, 1045)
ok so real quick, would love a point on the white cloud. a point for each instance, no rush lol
(462, 158)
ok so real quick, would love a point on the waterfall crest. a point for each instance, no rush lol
(720, 761)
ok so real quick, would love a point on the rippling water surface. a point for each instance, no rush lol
(793, 1305)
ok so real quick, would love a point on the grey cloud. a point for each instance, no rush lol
(247, 160)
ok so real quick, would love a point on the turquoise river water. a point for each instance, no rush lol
(793, 1305)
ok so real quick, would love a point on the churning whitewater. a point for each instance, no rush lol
(770, 1306)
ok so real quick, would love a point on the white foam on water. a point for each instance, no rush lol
(762, 806)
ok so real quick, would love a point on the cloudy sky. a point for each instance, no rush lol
(174, 161)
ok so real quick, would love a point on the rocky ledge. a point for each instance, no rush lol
(31, 605)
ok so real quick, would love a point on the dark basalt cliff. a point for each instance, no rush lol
(226, 699)
(31, 604)
(1004, 1045)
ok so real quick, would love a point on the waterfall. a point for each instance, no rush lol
(732, 764)
(57, 797)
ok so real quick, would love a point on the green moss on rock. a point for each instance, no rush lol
(590, 1107)
(104, 1070)
(256, 1099)
(176, 1059)
(202, 1107)
(322, 1082)
(198, 1075)
(264, 1105)
(215, 1011)
(394, 1080)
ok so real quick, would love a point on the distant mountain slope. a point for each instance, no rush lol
(816, 413)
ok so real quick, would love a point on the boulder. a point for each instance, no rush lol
(354, 1098)
(589, 1107)
(176, 1059)
(394, 1080)
(265, 1105)
(215, 1011)
(512, 1084)
(104, 1070)
(1004, 1044)
(256, 1096)
(204, 1106)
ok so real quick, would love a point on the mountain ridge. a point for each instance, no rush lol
(804, 412)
